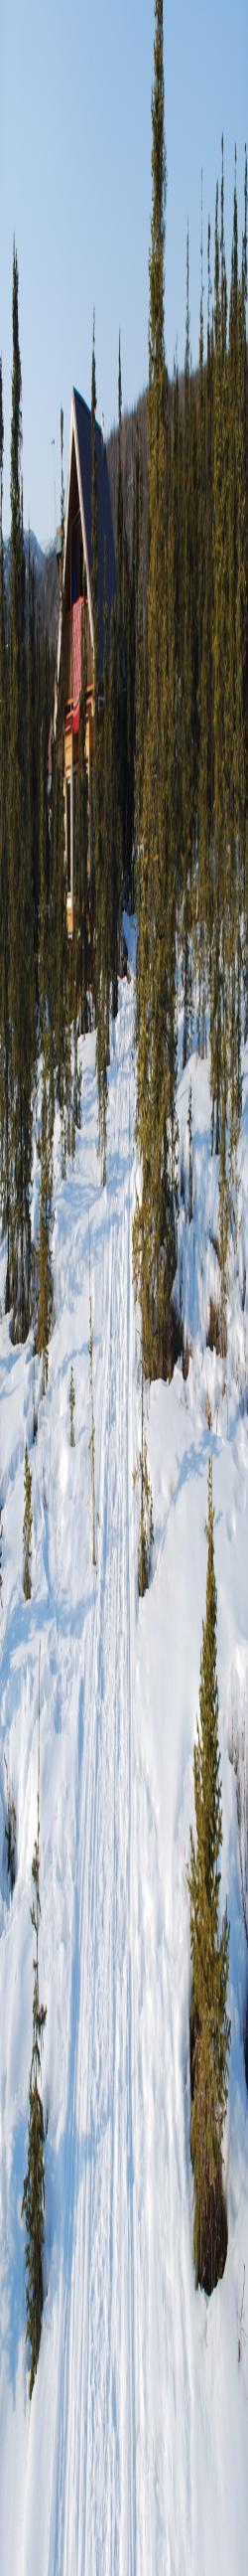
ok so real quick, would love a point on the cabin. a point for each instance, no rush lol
(76, 612)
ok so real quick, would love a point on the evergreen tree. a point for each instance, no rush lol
(10, 1832)
(223, 1211)
(121, 672)
(59, 939)
(139, 676)
(106, 828)
(33, 751)
(81, 890)
(21, 927)
(114, 833)
(210, 2028)
(240, 768)
(5, 1176)
(103, 978)
(33, 2203)
(244, 418)
(154, 1229)
(189, 507)
(219, 983)
(128, 711)
(47, 1104)
(27, 1528)
(205, 610)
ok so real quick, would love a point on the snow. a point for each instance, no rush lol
(132, 2457)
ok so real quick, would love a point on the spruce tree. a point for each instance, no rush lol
(154, 1228)
(210, 2028)
(219, 960)
(81, 889)
(5, 1174)
(240, 765)
(114, 834)
(121, 672)
(10, 1832)
(205, 607)
(46, 1166)
(60, 976)
(189, 507)
(33, 2203)
(244, 417)
(139, 678)
(27, 1528)
(32, 650)
(129, 650)
(106, 828)
(21, 924)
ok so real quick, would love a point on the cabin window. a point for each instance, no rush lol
(68, 834)
(74, 826)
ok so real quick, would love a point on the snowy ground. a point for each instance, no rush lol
(132, 2460)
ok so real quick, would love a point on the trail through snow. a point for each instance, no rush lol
(131, 2459)
(96, 2369)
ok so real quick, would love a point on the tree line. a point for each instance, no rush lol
(191, 716)
(190, 826)
(52, 990)
(25, 866)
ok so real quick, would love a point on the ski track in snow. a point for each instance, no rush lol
(95, 2461)
(163, 2335)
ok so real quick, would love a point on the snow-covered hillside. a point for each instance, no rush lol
(132, 2459)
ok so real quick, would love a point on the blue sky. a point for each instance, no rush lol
(75, 189)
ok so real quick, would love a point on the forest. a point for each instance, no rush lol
(168, 846)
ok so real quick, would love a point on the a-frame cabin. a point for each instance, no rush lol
(76, 611)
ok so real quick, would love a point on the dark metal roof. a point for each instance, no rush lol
(106, 552)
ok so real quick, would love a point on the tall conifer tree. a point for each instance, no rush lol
(205, 612)
(154, 1230)
(81, 888)
(114, 841)
(121, 658)
(47, 1101)
(60, 980)
(5, 1183)
(139, 673)
(189, 510)
(21, 926)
